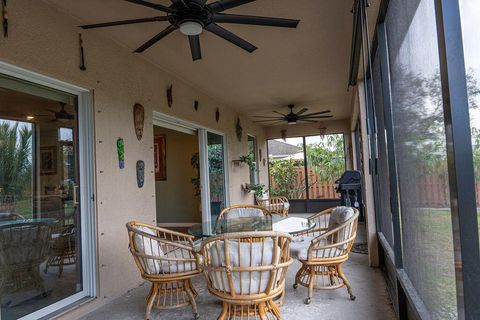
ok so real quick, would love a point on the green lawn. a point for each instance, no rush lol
(429, 259)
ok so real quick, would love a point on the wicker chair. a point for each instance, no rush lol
(277, 205)
(23, 247)
(168, 260)
(323, 249)
(246, 271)
(242, 211)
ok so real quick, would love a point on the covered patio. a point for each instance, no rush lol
(173, 146)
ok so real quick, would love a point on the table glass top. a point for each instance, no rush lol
(245, 224)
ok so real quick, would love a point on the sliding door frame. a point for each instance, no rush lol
(174, 123)
(87, 185)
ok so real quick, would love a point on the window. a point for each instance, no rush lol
(325, 164)
(252, 147)
(292, 177)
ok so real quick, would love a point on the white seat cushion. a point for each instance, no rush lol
(243, 213)
(338, 217)
(150, 247)
(241, 280)
(173, 267)
(299, 249)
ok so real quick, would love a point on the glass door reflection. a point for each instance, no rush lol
(40, 261)
(216, 172)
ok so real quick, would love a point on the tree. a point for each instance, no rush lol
(476, 152)
(15, 161)
(283, 174)
(327, 157)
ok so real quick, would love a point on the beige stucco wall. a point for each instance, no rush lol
(175, 197)
(45, 40)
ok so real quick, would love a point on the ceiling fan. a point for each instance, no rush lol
(61, 115)
(293, 118)
(191, 17)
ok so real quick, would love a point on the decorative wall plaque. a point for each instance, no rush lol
(140, 173)
(239, 130)
(121, 153)
(139, 120)
(170, 96)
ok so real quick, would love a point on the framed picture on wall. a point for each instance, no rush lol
(48, 160)
(160, 154)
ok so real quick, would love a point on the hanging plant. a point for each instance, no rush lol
(258, 189)
(250, 161)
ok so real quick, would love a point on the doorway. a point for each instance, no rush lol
(177, 177)
(204, 174)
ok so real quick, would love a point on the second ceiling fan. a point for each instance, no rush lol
(294, 117)
(191, 17)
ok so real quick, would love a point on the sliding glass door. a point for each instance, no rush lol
(216, 173)
(40, 214)
(213, 176)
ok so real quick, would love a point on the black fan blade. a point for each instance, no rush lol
(222, 5)
(283, 115)
(255, 20)
(150, 5)
(269, 117)
(302, 111)
(274, 120)
(315, 117)
(195, 47)
(123, 22)
(227, 35)
(155, 39)
(316, 113)
(201, 2)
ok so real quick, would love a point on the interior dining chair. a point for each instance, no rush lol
(168, 260)
(243, 211)
(23, 248)
(246, 271)
(322, 250)
(276, 205)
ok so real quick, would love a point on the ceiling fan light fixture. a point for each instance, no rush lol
(292, 122)
(191, 28)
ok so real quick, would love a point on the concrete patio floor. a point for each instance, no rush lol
(368, 285)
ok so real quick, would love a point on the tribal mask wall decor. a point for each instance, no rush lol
(138, 120)
(195, 105)
(170, 96)
(217, 115)
(239, 130)
(140, 173)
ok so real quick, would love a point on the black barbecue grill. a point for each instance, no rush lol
(350, 188)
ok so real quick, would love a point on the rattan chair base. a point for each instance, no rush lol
(321, 277)
(171, 295)
(267, 310)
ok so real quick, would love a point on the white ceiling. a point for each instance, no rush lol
(307, 66)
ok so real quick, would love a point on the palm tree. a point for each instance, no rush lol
(15, 160)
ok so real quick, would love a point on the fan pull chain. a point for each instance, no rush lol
(5, 18)
(82, 57)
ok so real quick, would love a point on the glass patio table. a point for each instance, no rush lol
(290, 225)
